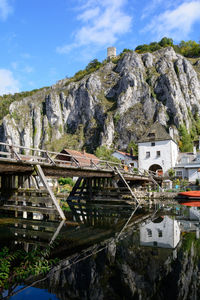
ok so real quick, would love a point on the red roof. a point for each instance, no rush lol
(83, 158)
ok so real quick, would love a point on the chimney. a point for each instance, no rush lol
(171, 132)
(194, 150)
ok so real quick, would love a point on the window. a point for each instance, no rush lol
(152, 144)
(185, 159)
(149, 232)
(179, 173)
(147, 154)
(159, 233)
(158, 153)
(151, 135)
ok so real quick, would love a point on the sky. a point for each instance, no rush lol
(43, 41)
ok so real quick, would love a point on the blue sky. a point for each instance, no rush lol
(43, 41)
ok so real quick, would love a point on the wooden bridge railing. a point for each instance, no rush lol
(28, 154)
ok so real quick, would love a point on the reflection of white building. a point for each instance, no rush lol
(164, 232)
(194, 213)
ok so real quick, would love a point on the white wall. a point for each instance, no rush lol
(126, 159)
(168, 150)
(184, 172)
(193, 175)
(170, 233)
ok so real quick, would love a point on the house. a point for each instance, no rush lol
(188, 165)
(73, 157)
(163, 232)
(127, 158)
(157, 150)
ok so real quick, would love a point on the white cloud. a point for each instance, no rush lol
(102, 23)
(176, 23)
(150, 8)
(89, 14)
(5, 9)
(8, 85)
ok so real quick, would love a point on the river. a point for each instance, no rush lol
(148, 252)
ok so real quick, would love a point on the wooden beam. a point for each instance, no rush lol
(126, 184)
(45, 183)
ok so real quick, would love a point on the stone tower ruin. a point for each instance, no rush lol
(111, 52)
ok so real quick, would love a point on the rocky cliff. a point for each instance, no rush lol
(111, 106)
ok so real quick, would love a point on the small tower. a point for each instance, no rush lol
(111, 52)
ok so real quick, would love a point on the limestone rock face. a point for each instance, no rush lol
(111, 106)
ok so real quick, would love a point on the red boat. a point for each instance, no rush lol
(190, 198)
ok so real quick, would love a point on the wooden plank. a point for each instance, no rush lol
(40, 223)
(28, 232)
(35, 200)
(45, 183)
(30, 241)
(42, 210)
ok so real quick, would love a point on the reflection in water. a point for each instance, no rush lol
(152, 256)
(163, 232)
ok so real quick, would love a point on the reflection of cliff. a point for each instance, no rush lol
(124, 270)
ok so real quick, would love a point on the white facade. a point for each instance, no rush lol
(165, 234)
(163, 153)
(188, 167)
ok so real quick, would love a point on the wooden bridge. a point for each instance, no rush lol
(23, 169)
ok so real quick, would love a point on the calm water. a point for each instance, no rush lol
(119, 253)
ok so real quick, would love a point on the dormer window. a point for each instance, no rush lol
(151, 135)
(185, 159)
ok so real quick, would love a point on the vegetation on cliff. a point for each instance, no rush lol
(186, 48)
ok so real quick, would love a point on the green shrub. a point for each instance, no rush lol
(105, 153)
(67, 180)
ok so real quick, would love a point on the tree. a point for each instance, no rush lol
(186, 144)
(154, 46)
(134, 147)
(164, 42)
(142, 48)
(105, 153)
(94, 64)
(171, 173)
(189, 48)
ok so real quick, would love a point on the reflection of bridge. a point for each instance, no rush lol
(20, 168)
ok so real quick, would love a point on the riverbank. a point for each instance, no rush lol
(155, 195)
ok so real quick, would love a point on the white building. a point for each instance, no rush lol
(188, 166)
(157, 150)
(127, 158)
(164, 233)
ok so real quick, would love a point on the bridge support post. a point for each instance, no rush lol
(45, 183)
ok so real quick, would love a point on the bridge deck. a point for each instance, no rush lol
(13, 166)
